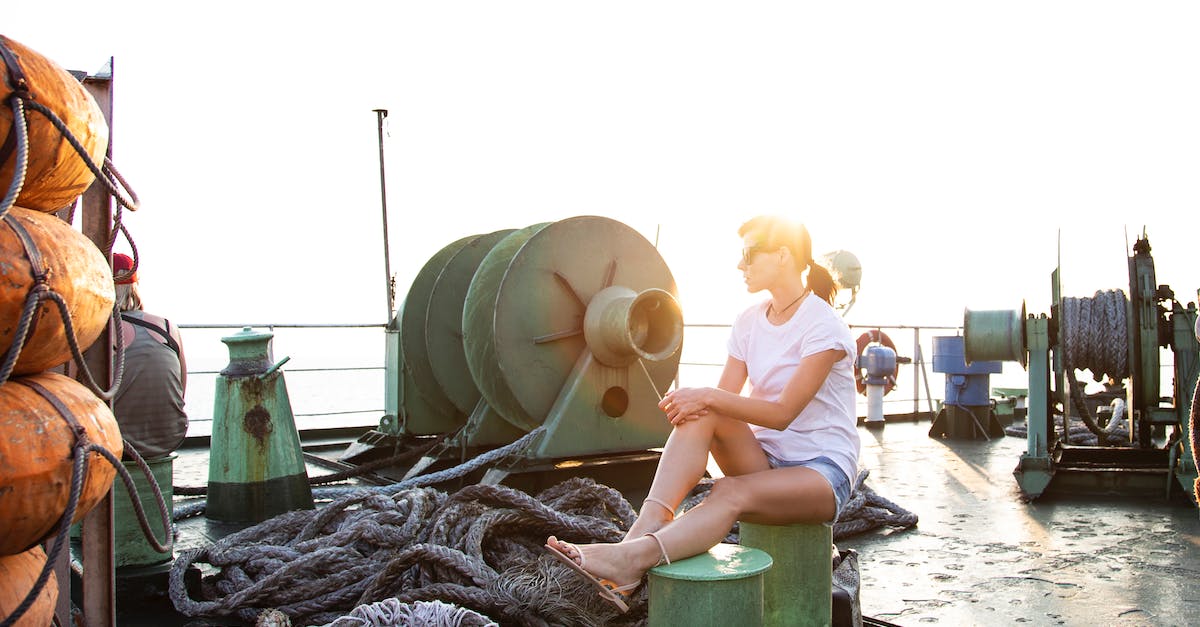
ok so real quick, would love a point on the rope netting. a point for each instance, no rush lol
(480, 549)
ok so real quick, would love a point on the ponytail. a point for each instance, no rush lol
(821, 282)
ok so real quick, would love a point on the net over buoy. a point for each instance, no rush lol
(36, 461)
(56, 174)
(75, 270)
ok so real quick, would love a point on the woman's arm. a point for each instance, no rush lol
(688, 403)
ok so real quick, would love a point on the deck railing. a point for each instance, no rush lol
(335, 372)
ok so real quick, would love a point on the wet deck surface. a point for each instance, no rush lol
(981, 556)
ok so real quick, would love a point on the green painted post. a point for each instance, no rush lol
(1035, 468)
(256, 466)
(719, 588)
(799, 590)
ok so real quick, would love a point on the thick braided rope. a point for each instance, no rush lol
(479, 548)
(1095, 334)
(21, 167)
(392, 612)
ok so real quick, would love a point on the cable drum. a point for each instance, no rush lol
(1095, 333)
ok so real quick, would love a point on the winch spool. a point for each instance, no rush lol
(444, 328)
(524, 317)
(55, 174)
(994, 335)
(413, 316)
(1094, 333)
(506, 331)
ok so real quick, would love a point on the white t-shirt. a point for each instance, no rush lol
(828, 425)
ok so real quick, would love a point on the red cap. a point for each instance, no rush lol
(123, 273)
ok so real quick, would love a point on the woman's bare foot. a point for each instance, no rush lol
(623, 563)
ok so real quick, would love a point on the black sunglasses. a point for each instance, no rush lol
(749, 252)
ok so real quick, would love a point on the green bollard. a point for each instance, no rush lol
(256, 466)
(721, 587)
(799, 590)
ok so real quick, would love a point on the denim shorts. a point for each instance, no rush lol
(828, 469)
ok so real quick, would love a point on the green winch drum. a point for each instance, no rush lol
(444, 321)
(524, 315)
(994, 335)
(413, 316)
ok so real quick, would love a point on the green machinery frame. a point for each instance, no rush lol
(1155, 320)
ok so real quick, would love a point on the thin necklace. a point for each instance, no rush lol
(771, 307)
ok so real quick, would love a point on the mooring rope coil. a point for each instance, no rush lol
(480, 548)
(1095, 335)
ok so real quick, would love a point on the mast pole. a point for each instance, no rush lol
(380, 115)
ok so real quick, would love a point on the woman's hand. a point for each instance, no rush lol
(685, 404)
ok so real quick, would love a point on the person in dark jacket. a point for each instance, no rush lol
(149, 403)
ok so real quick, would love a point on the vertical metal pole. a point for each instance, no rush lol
(918, 367)
(99, 574)
(380, 115)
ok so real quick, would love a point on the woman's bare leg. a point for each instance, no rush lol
(777, 496)
(685, 458)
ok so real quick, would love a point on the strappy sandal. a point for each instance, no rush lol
(661, 549)
(661, 503)
(608, 590)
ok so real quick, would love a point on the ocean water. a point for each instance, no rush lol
(335, 375)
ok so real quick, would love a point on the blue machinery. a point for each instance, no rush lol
(1109, 335)
(967, 411)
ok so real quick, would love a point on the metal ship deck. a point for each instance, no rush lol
(979, 555)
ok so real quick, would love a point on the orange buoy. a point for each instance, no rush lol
(36, 444)
(19, 572)
(77, 271)
(56, 174)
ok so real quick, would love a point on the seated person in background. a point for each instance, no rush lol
(149, 403)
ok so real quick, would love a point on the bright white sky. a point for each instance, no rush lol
(944, 143)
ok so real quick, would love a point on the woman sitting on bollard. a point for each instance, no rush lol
(788, 450)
